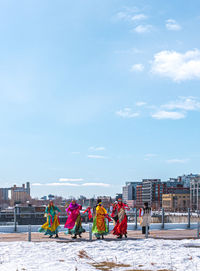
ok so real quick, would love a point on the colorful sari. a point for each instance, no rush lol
(52, 225)
(100, 227)
(120, 228)
(73, 223)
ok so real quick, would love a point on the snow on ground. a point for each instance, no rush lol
(149, 254)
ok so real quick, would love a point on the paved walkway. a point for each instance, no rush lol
(161, 234)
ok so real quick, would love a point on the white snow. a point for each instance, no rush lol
(147, 254)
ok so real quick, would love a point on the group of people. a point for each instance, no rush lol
(100, 216)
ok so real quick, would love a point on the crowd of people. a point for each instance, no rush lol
(100, 217)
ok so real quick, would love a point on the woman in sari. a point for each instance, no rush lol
(73, 223)
(120, 228)
(100, 228)
(51, 227)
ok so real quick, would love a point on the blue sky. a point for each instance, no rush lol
(96, 93)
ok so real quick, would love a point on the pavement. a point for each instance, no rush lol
(132, 235)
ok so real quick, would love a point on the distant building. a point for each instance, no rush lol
(195, 193)
(20, 194)
(176, 202)
(186, 179)
(129, 191)
(139, 202)
(4, 194)
(152, 190)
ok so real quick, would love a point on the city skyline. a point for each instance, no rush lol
(94, 94)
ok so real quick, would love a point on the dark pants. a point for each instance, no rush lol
(144, 230)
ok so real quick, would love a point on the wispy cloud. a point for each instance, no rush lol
(140, 29)
(97, 149)
(177, 66)
(37, 184)
(97, 184)
(139, 17)
(184, 103)
(140, 104)
(137, 68)
(70, 180)
(55, 184)
(93, 156)
(127, 113)
(177, 161)
(72, 184)
(177, 109)
(149, 155)
(127, 14)
(172, 25)
(168, 115)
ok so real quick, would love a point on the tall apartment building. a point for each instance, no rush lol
(20, 194)
(195, 193)
(139, 202)
(152, 190)
(129, 191)
(186, 179)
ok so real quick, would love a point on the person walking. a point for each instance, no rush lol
(100, 228)
(120, 228)
(145, 214)
(74, 223)
(51, 227)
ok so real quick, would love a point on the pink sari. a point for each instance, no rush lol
(73, 210)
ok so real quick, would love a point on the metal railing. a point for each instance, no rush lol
(31, 218)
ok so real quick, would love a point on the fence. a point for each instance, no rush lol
(29, 222)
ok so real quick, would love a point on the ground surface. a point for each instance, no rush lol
(163, 234)
(127, 255)
(164, 250)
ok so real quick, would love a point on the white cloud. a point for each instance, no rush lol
(143, 28)
(123, 15)
(139, 17)
(184, 103)
(37, 184)
(62, 184)
(93, 156)
(177, 161)
(168, 115)
(70, 180)
(172, 25)
(127, 113)
(140, 104)
(71, 184)
(137, 67)
(97, 148)
(127, 14)
(150, 155)
(177, 66)
(55, 184)
(96, 184)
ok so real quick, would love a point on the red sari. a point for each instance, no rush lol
(121, 225)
